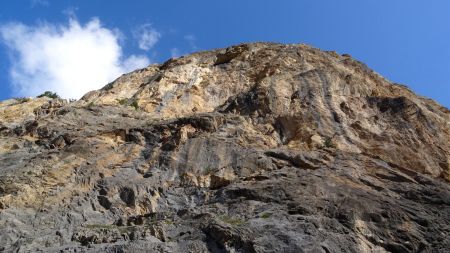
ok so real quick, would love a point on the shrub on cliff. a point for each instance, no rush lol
(49, 94)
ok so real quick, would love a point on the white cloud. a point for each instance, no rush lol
(70, 12)
(191, 39)
(147, 36)
(35, 3)
(69, 59)
(135, 62)
(175, 52)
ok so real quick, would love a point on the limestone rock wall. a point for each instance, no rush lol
(254, 148)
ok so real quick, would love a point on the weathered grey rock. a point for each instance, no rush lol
(254, 148)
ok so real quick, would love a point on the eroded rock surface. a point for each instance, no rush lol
(254, 148)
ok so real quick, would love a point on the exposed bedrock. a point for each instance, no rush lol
(255, 148)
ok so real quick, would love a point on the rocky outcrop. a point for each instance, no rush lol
(254, 148)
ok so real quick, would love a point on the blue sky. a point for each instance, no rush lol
(407, 41)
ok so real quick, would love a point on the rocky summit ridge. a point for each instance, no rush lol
(258, 147)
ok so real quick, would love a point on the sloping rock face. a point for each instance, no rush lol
(254, 148)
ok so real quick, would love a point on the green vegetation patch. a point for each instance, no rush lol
(21, 100)
(49, 94)
(122, 101)
(328, 143)
(231, 220)
(135, 105)
(266, 215)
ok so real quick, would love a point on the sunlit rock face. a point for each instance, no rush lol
(254, 148)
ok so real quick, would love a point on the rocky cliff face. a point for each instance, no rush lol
(254, 148)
